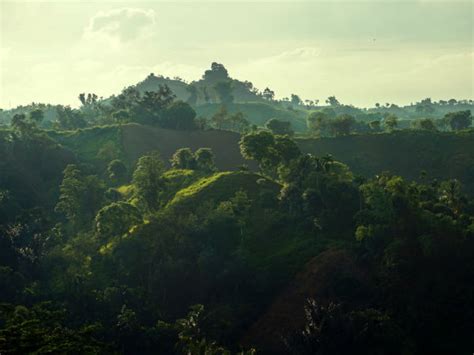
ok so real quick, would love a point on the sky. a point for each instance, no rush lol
(362, 52)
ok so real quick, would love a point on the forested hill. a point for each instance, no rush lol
(130, 238)
(409, 153)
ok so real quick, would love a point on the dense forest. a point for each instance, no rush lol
(212, 218)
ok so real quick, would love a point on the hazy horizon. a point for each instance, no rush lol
(361, 52)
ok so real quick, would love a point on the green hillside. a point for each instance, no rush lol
(407, 153)
(129, 142)
(220, 187)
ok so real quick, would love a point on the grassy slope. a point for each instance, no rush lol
(406, 153)
(218, 187)
(259, 112)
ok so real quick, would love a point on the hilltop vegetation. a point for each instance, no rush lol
(200, 104)
(219, 220)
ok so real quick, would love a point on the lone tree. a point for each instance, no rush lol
(268, 94)
(332, 101)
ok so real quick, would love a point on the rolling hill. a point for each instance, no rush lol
(407, 153)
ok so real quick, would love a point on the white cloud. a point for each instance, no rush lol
(120, 25)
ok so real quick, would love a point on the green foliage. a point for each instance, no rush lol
(179, 115)
(147, 180)
(318, 123)
(156, 107)
(387, 260)
(23, 126)
(80, 196)
(391, 122)
(279, 127)
(217, 73)
(268, 150)
(116, 219)
(117, 170)
(40, 330)
(204, 158)
(69, 119)
(258, 113)
(424, 123)
(459, 120)
(183, 159)
(342, 125)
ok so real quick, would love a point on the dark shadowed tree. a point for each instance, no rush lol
(117, 170)
(179, 115)
(342, 125)
(459, 120)
(204, 158)
(279, 127)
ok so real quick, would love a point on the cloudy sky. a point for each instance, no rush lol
(361, 51)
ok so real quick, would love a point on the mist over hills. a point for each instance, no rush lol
(217, 87)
